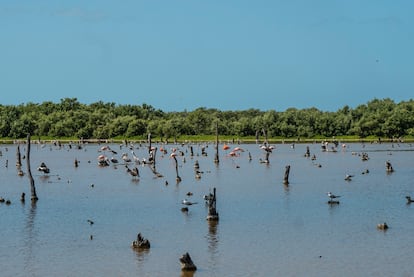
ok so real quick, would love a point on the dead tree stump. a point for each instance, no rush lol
(187, 263)
(389, 167)
(286, 178)
(212, 212)
(141, 243)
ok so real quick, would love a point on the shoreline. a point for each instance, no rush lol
(211, 141)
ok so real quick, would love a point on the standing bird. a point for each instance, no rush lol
(43, 168)
(134, 172)
(332, 197)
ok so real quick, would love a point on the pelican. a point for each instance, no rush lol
(125, 158)
(135, 157)
(134, 172)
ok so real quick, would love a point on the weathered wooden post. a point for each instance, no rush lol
(34, 197)
(178, 178)
(18, 161)
(216, 157)
(18, 157)
(286, 178)
(212, 212)
(265, 135)
(307, 154)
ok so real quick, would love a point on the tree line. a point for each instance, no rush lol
(72, 119)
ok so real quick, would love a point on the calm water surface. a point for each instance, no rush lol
(265, 229)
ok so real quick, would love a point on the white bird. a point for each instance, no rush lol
(188, 203)
(332, 196)
(348, 177)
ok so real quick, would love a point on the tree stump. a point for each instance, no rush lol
(389, 167)
(141, 243)
(286, 178)
(187, 263)
(212, 212)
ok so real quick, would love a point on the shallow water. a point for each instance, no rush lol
(265, 229)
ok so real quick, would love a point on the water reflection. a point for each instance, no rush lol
(187, 273)
(30, 241)
(212, 237)
(141, 255)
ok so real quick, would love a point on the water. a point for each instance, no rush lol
(265, 229)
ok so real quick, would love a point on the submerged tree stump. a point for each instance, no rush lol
(212, 212)
(286, 178)
(187, 263)
(389, 167)
(307, 154)
(216, 155)
(141, 243)
(33, 196)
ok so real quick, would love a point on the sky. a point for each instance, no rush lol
(178, 55)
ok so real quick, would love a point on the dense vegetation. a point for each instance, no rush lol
(71, 119)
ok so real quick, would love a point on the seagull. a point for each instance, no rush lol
(188, 203)
(332, 196)
(348, 177)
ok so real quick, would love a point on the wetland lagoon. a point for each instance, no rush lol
(266, 228)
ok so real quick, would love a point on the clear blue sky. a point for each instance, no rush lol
(229, 55)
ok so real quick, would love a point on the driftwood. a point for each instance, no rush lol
(141, 243)
(187, 263)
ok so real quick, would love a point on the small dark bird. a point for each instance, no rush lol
(409, 200)
(90, 222)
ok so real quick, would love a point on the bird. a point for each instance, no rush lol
(409, 200)
(90, 221)
(133, 172)
(332, 197)
(43, 168)
(382, 226)
(188, 203)
(348, 177)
